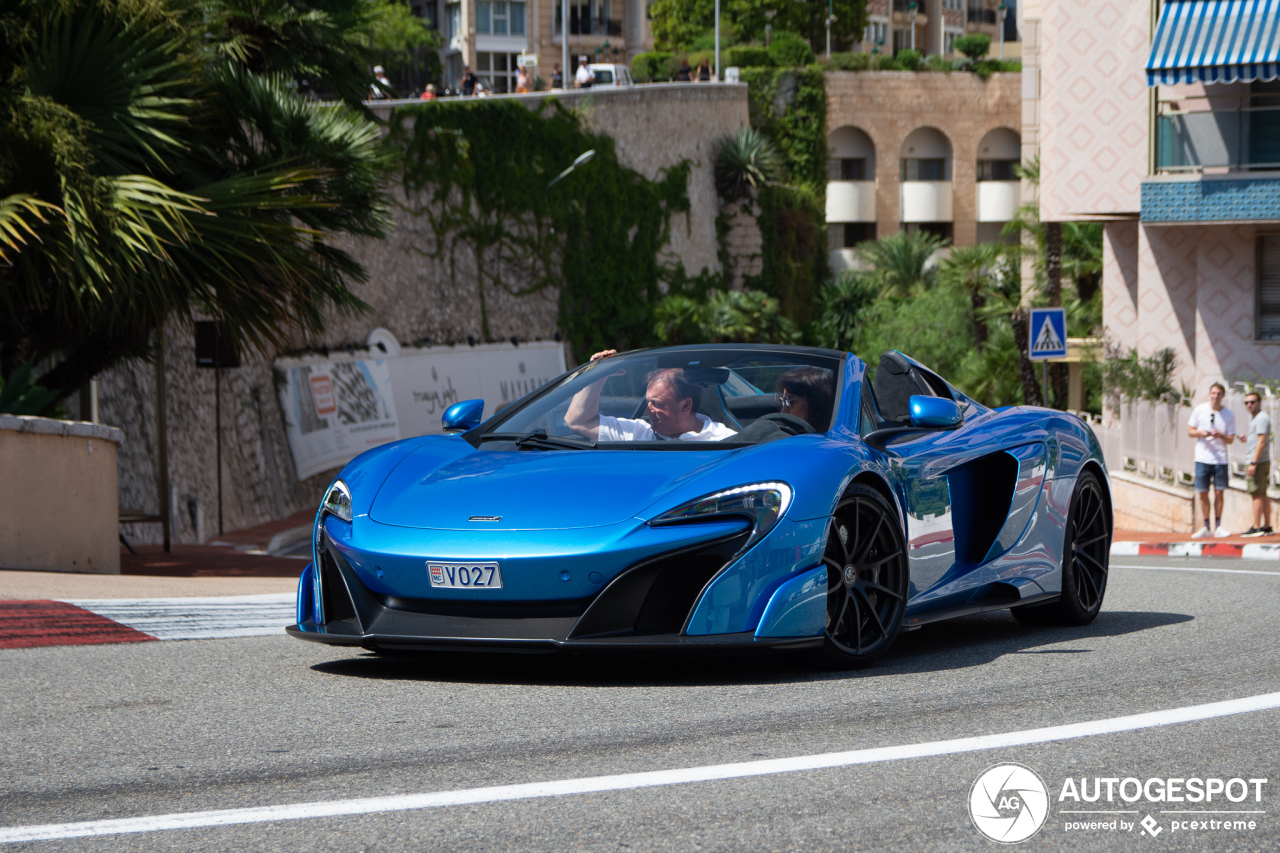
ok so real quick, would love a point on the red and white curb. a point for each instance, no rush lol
(1251, 551)
(24, 624)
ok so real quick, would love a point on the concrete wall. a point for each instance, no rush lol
(58, 503)
(655, 127)
(1145, 505)
(889, 105)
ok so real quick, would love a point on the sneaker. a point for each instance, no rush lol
(1267, 531)
(1221, 533)
(1255, 531)
(1202, 533)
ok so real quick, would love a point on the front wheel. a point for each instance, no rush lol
(1085, 553)
(867, 580)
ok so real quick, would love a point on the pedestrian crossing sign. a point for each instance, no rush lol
(1048, 334)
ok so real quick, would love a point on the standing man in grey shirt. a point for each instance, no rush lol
(1258, 474)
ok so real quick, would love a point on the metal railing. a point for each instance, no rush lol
(1227, 133)
(1150, 439)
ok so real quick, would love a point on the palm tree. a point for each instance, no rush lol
(976, 270)
(902, 261)
(140, 178)
(745, 162)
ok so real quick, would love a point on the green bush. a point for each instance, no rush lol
(887, 63)
(652, 67)
(747, 56)
(974, 46)
(938, 64)
(790, 52)
(910, 60)
(851, 62)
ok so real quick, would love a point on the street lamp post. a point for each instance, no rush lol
(830, 17)
(564, 43)
(717, 41)
(1004, 11)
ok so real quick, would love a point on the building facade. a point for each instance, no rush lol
(920, 151)
(932, 26)
(1163, 120)
(490, 35)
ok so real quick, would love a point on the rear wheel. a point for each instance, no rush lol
(1085, 553)
(867, 580)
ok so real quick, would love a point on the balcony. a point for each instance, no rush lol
(998, 200)
(926, 201)
(851, 201)
(588, 26)
(1218, 135)
(981, 16)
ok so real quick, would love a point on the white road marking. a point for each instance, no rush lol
(217, 617)
(631, 781)
(1198, 569)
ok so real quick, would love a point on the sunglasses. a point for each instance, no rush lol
(785, 401)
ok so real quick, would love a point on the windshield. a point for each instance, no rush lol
(603, 75)
(690, 397)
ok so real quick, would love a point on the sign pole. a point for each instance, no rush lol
(217, 428)
(1044, 376)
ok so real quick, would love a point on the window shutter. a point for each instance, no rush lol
(1269, 288)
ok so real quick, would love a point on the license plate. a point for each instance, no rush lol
(465, 575)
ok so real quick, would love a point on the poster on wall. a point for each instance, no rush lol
(339, 406)
(335, 410)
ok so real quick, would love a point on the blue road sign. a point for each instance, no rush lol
(1048, 333)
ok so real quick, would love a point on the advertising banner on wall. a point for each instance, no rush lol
(339, 406)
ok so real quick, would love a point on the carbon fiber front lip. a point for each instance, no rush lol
(668, 642)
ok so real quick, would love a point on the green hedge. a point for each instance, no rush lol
(747, 56)
(790, 52)
(656, 66)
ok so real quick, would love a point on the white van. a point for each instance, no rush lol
(610, 75)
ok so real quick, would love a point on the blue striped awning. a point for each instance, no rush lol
(1216, 41)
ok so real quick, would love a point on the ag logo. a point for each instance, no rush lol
(1008, 803)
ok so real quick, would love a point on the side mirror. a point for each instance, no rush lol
(935, 412)
(463, 416)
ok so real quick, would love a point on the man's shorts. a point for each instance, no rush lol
(1257, 484)
(1206, 472)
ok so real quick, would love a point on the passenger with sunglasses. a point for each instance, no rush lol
(806, 393)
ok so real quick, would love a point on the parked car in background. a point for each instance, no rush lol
(610, 75)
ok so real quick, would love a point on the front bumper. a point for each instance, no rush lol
(647, 606)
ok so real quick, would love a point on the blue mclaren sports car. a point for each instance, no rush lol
(708, 498)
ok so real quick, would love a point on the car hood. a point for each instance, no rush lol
(444, 484)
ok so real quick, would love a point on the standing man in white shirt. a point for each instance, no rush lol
(1258, 474)
(1214, 428)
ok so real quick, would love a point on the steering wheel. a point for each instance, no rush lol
(789, 424)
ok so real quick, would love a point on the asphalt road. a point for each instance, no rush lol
(107, 732)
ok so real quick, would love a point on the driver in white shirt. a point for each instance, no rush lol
(669, 399)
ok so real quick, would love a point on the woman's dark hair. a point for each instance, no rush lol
(814, 384)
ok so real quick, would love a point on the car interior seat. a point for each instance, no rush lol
(897, 381)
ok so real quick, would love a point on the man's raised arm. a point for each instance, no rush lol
(583, 416)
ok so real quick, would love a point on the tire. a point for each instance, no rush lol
(867, 580)
(1086, 549)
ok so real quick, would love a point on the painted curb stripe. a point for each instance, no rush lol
(216, 617)
(1274, 574)
(1251, 551)
(32, 624)
(631, 781)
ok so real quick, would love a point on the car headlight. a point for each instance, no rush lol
(763, 503)
(338, 501)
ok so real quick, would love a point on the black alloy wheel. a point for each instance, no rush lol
(867, 579)
(1085, 553)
